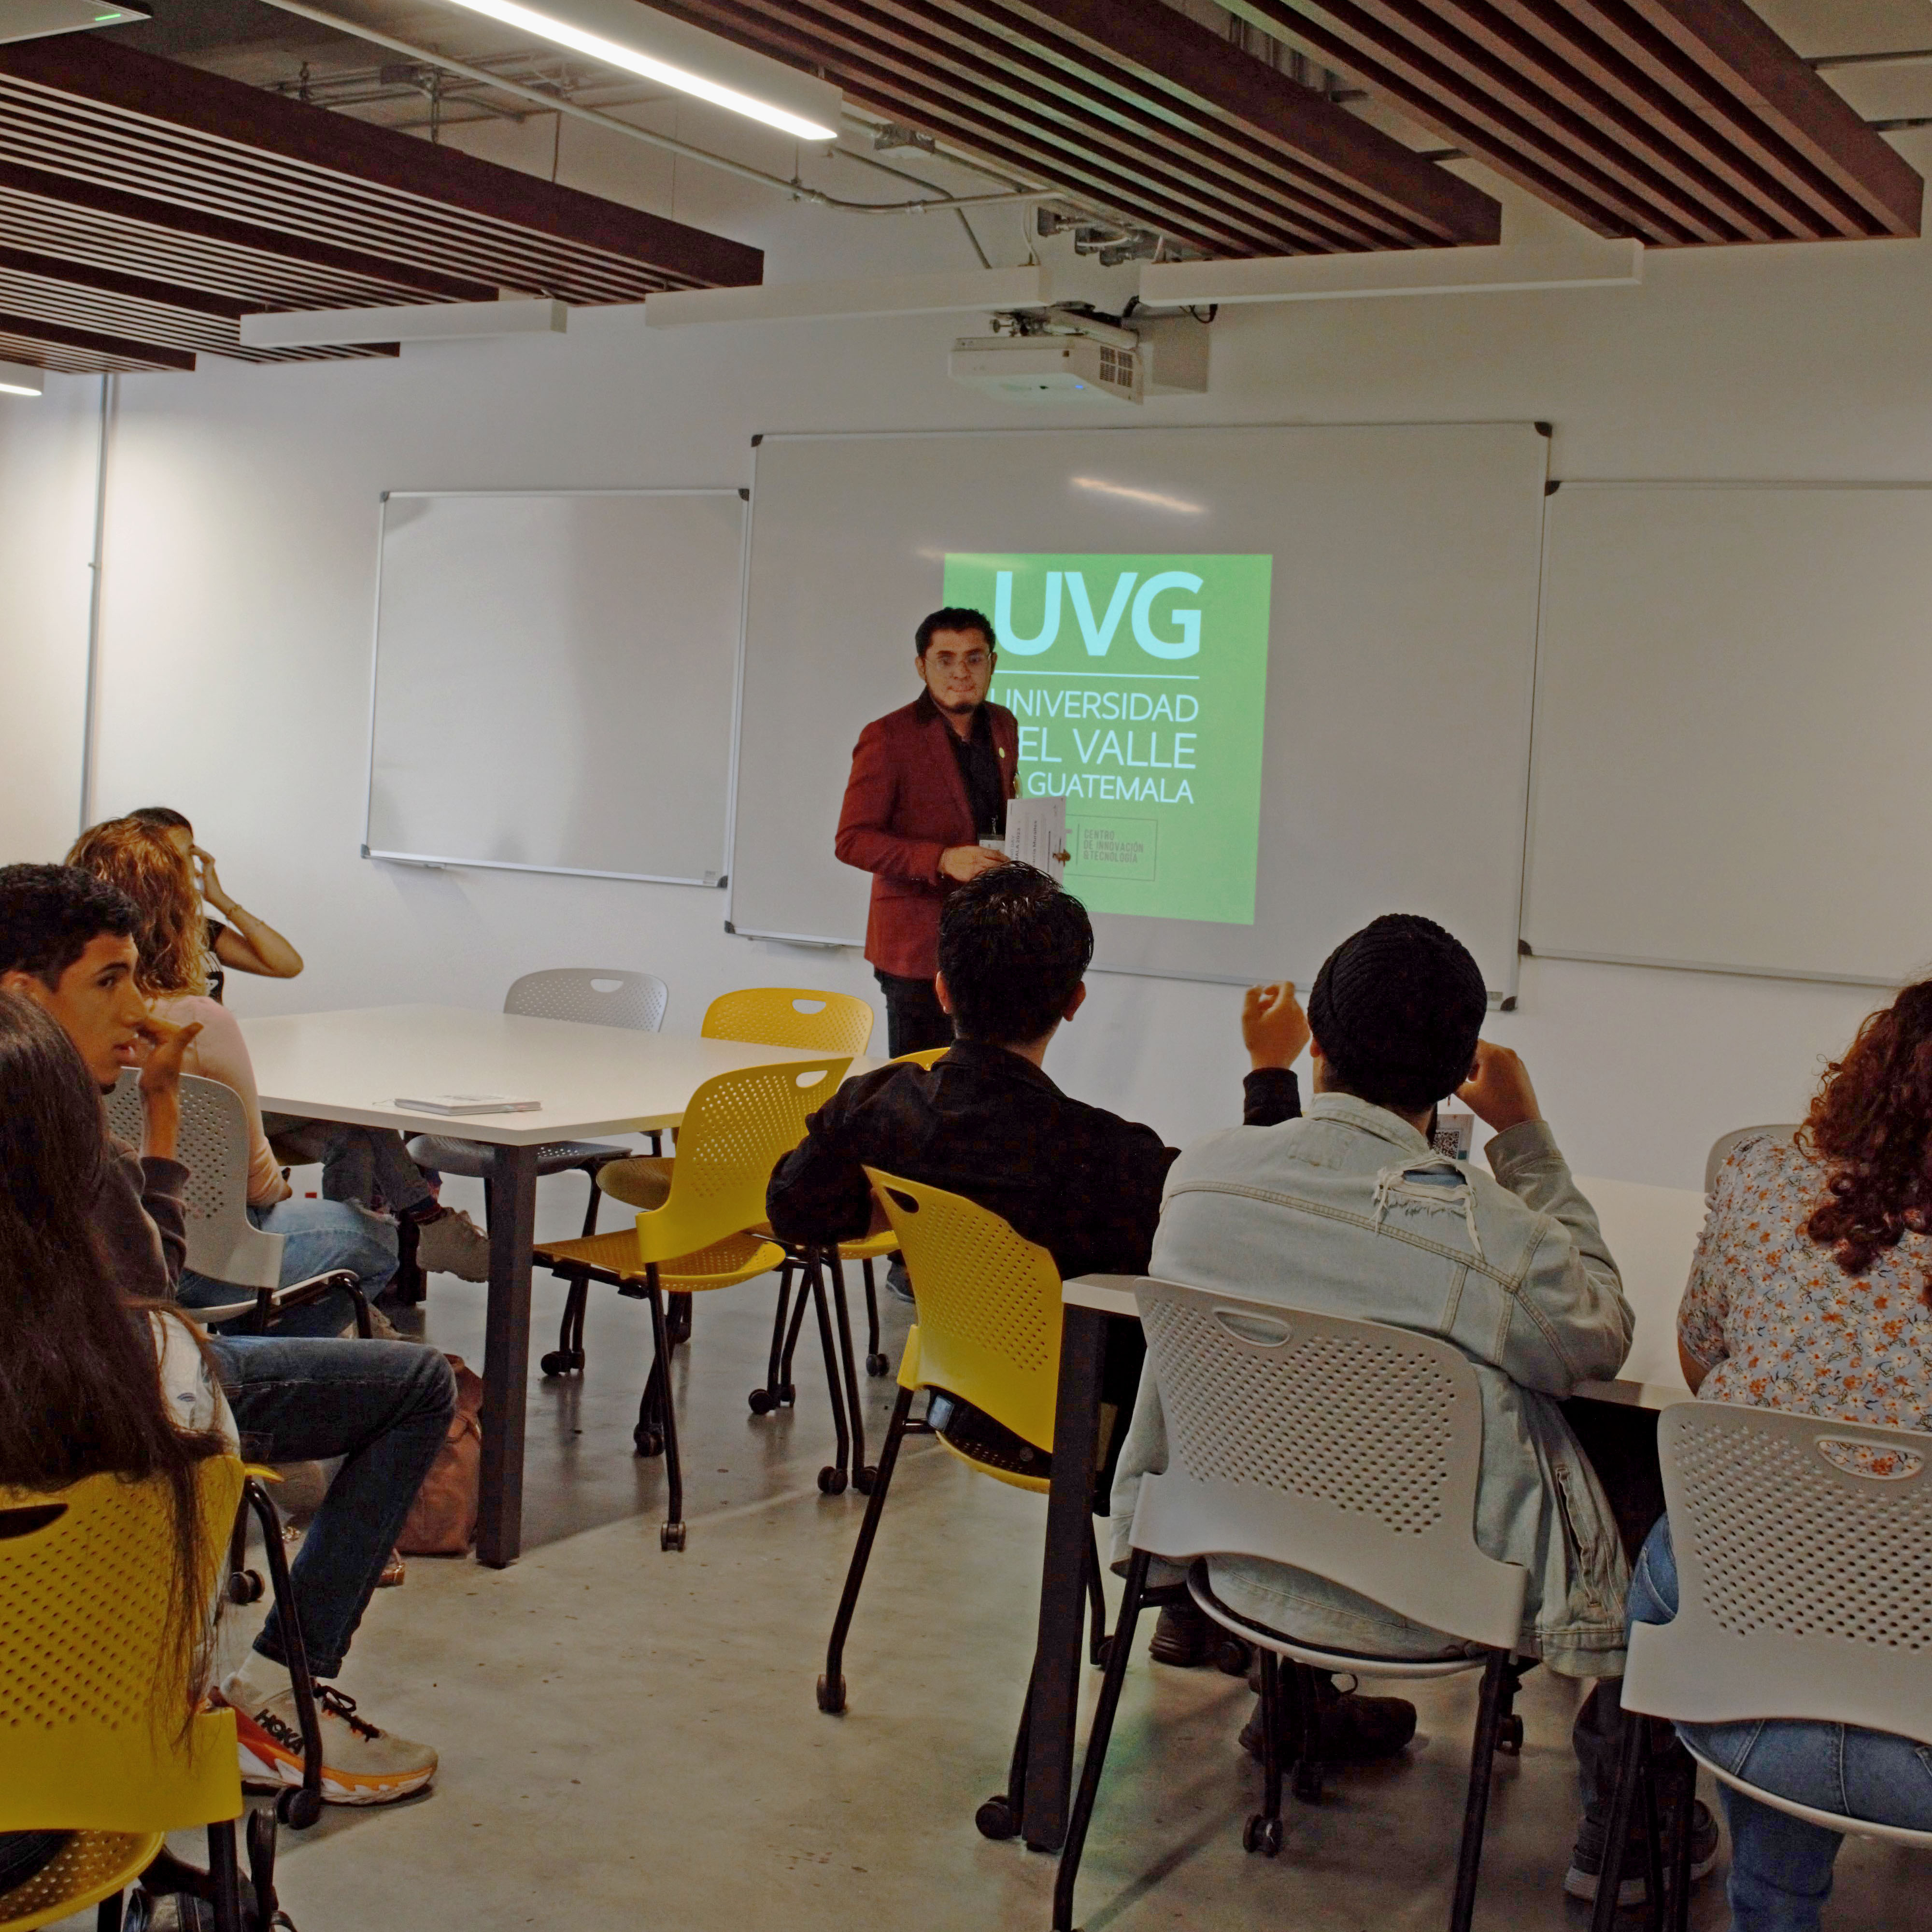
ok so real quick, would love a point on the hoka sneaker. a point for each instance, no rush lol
(360, 1764)
(453, 1244)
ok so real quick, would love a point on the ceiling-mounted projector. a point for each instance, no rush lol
(1046, 369)
(29, 20)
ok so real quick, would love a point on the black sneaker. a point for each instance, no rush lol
(1355, 1729)
(1586, 1861)
(1182, 1636)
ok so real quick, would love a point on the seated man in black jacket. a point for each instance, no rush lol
(986, 1122)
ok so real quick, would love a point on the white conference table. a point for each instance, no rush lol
(1652, 1233)
(592, 1080)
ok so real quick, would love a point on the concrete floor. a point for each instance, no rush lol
(630, 1737)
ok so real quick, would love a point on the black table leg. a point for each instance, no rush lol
(1061, 1655)
(506, 1354)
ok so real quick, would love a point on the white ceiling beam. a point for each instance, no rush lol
(864, 295)
(1585, 263)
(413, 321)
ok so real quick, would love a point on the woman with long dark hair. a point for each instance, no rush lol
(91, 1383)
(1812, 1291)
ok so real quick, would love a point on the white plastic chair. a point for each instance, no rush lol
(1722, 1148)
(223, 1244)
(1803, 1550)
(1346, 1449)
(590, 996)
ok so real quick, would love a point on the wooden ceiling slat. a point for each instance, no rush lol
(212, 106)
(37, 352)
(1500, 50)
(1428, 93)
(141, 288)
(1767, 94)
(1165, 52)
(425, 284)
(133, 354)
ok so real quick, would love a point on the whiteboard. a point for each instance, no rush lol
(554, 678)
(1400, 653)
(1730, 770)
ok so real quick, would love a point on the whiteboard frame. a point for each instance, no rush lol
(720, 880)
(1795, 975)
(1503, 998)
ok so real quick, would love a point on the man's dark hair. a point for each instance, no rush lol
(49, 914)
(162, 818)
(954, 617)
(1013, 947)
(1398, 1008)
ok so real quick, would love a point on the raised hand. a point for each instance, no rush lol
(1497, 1091)
(1273, 1027)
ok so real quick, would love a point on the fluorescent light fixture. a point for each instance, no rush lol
(21, 379)
(413, 322)
(639, 39)
(987, 289)
(1584, 263)
(29, 20)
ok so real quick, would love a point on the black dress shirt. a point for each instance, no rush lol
(979, 767)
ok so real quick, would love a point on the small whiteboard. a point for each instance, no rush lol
(555, 675)
(1730, 770)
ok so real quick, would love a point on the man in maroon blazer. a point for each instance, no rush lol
(929, 781)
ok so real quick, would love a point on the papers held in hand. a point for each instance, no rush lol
(470, 1103)
(1037, 834)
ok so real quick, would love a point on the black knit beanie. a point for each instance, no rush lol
(1398, 1009)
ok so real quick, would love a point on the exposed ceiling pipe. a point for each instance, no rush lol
(556, 104)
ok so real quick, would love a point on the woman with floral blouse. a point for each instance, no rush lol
(1810, 1292)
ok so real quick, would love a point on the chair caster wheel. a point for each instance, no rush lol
(555, 1363)
(761, 1402)
(1509, 1736)
(995, 1818)
(671, 1537)
(1232, 1657)
(788, 1393)
(298, 1809)
(863, 1480)
(1307, 1783)
(831, 1481)
(877, 1365)
(649, 1441)
(1261, 1834)
(832, 1695)
(244, 1586)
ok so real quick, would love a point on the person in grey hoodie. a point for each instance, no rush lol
(1350, 1210)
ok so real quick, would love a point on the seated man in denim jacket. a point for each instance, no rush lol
(1349, 1211)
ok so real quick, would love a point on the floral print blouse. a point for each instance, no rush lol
(1780, 1324)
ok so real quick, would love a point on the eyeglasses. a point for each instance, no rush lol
(972, 660)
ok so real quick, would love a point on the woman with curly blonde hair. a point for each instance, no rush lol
(338, 1231)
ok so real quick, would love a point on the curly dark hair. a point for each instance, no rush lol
(1871, 1123)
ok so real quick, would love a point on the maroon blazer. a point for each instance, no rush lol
(905, 804)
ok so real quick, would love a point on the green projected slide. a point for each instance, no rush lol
(1140, 684)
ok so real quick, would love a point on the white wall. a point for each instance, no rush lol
(242, 553)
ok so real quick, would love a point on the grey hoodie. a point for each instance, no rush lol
(1348, 1211)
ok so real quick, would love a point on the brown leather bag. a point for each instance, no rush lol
(442, 1520)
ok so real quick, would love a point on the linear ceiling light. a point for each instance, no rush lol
(641, 40)
(1584, 263)
(18, 378)
(413, 321)
(29, 20)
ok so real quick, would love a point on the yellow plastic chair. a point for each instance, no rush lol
(778, 1386)
(86, 1577)
(794, 1016)
(735, 1129)
(987, 1336)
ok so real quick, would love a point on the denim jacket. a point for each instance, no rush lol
(1348, 1211)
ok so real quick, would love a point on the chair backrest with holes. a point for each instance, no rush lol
(736, 1129)
(85, 1574)
(223, 1244)
(1348, 1449)
(1803, 1569)
(790, 1016)
(593, 995)
(1722, 1147)
(989, 1305)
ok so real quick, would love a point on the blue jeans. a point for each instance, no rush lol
(384, 1407)
(318, 1237)
(1781, 1866)
(358, 1163)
